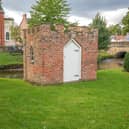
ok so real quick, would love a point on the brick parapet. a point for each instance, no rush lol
(48, 52)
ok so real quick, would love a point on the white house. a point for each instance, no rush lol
(8, 23)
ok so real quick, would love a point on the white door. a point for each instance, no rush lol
(72, 61)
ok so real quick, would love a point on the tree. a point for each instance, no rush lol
(49, 11)
(126, 62)
(115, 29)
(104, 36)
(15, 34)
(125, 22)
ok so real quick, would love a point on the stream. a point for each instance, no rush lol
(11, 74)
(105, 64)
(111, 63)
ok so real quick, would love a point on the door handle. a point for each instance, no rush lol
(76, 75)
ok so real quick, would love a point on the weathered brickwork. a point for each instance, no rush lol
(1, 28)
(46, 65)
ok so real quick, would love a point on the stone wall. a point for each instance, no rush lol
(48, 46)
(116, 47)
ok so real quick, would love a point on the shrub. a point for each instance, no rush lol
(126, 62)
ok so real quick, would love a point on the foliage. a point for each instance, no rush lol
(49, 11)
(104, 36)
(1, 8)
(126, 62)
(15, 34)
(100, 104)
(125, 22)
(104, 55)
(7, 58)
(115, 29)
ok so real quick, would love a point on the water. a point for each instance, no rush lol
(111, 63)
(105, 64)
(11, 74)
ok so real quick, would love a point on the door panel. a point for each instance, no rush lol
(72, 62)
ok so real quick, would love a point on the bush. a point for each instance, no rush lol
(126, 62)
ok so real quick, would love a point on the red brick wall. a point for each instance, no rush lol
(1, 28)
(48, 53)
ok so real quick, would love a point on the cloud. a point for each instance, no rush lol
(114, 16)
(78, 7)
(90, 7)
(13, 14)
(17, 15)
(81, 20)
(18, 5)
(82, 11)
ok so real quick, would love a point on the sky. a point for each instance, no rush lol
(82, 11)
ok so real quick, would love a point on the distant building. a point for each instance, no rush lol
(5, 29)
(118, 44)
(8, 23)
(120, 38)
(2, 43)
(23, 26)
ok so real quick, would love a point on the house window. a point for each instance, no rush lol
(7, 36)
(32, 55)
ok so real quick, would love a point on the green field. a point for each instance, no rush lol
(100, 104)
(7, 58)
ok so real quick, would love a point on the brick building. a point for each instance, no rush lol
(23, 26)
(60, 56)
(5, 29)
(2, 43)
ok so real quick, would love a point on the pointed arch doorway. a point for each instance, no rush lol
(72, 61)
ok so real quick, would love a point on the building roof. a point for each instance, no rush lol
(119, 38)
(24, 23)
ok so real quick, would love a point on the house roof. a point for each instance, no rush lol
(118, 38)
(24, 23)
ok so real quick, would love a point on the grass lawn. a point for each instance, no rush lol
(101, 104)
(7, 58)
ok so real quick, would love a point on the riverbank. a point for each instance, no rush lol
(104, 55)
(10, 58)
(111, 63)
(108, 61)
(83, 105)
(11, 65)
(11, 71)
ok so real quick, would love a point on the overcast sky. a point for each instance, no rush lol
(82, 11)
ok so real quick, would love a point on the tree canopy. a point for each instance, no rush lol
(104, 37)
(49, 11)
(15, 34)
(115, 29)
(125, 22)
